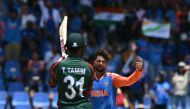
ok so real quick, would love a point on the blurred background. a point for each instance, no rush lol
(156, 30)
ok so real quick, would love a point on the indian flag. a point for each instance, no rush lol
(107, 15)
(154, 29)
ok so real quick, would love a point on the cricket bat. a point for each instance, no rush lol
(63, 36)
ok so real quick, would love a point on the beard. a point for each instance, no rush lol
(100, 69)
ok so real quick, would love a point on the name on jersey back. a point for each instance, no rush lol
(75, 70)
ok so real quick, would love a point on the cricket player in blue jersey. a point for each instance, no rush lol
(103, 94)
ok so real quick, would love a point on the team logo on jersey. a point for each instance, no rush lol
(75, 44)
(106, 83)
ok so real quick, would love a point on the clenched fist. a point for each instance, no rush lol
(139, 63)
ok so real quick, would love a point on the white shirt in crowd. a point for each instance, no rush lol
(180, 83)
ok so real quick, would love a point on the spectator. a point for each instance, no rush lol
(51, 18)
(143, 44)
(121, 101)
(26, 17)
(50, 57)
(180, 82)
(35, 10)
(29, 33)
(160, 92)
(155, 58)
(35, 72)
(137, 91)
(13, 37)
(76, 23)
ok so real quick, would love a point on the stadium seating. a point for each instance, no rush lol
(21, 99)
(23, 107)
(15, 86)
(3, 99)
(41, 99)
(2, 106)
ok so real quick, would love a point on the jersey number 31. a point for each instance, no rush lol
(72, 82)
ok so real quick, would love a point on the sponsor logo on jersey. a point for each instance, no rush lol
(99, 93)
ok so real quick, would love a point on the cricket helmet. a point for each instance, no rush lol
(75, 40)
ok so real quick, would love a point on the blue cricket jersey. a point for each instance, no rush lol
(103, 94)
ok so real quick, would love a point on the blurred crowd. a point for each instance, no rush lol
(29, 44)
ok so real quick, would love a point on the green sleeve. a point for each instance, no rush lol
(53, 80)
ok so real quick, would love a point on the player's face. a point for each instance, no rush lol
(100, 64)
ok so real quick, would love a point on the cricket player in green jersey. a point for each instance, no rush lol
(73, 76)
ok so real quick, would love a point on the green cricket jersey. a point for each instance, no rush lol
(74, 79)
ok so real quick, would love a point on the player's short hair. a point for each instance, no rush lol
(102, 52)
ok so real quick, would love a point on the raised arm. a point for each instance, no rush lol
(120, 81)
